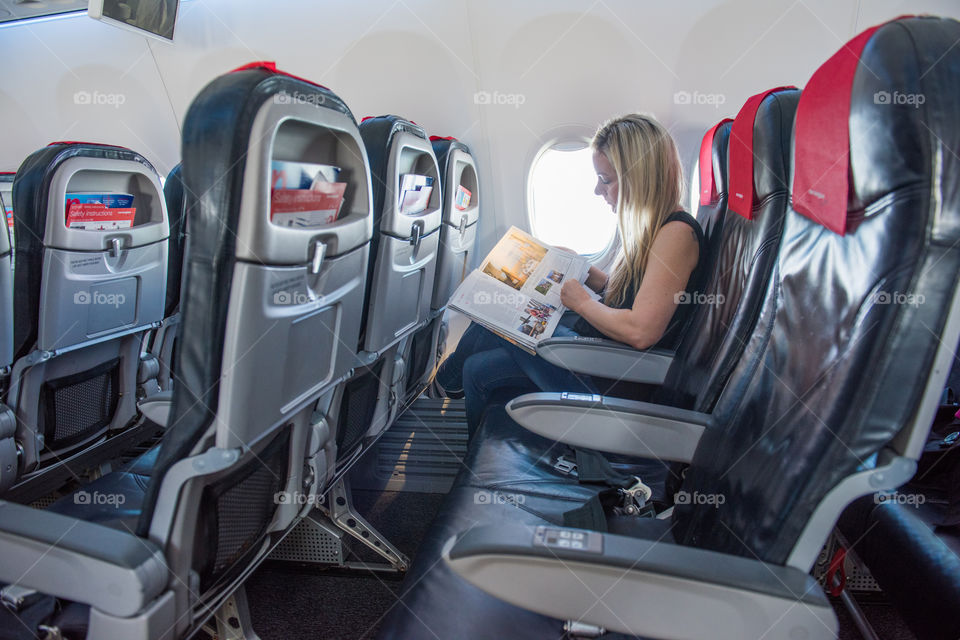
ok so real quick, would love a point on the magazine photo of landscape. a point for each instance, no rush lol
(514, 259)
(543, 287)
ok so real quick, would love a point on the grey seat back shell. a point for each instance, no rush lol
(405, 247)
(458, 232)
(84, 299)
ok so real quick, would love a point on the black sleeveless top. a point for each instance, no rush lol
(683, 312)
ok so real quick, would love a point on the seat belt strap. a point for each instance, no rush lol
(592, 514)
(593, 468)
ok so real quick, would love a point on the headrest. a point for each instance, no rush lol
(271, 67)
(383, 128)
(711, 174)
(442, 147)
(838, 95)
(31, 191)
(741, 167)
(378, 133)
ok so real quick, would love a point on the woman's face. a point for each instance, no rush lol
(606, 179)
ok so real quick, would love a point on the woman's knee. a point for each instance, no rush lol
(473, 368)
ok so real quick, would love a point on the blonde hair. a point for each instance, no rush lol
(650, 180)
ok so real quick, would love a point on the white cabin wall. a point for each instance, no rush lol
(569, 64)
(577, 66)
(51, 64)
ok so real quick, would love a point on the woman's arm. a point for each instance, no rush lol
(596, 279)
(673, 257)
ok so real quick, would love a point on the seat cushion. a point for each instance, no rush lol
(143, 464)
(114, 500)
(504, 455)
(435, 602)
(507, 478)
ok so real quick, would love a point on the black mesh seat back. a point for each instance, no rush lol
(173, 193)
(216, 139)
(744, 254)
(834, 371)
(358, 406)
(236, 510)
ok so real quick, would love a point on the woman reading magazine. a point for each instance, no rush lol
(639, 175)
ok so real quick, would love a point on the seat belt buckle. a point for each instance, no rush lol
(14, 596)
(565, 465)
(635, 499)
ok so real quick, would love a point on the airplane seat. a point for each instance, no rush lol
(6, 283)
(922, 577)
(269, 328)
(712, 167)
(84, 299)
(831, 401)
(156, 374)
(458, 233)
(745, 250)
(461, 211)
(400, 277)
(164, 340)
(404, 250)
(8, 448)
(614, 360)
(743, 255)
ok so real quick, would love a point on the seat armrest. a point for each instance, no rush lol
(156, 408)
(640, 587)
(606, 358)
(611, 424)
(112, 571)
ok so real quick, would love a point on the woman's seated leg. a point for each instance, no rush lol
(475, 339)
(487, 373)
(549, 377)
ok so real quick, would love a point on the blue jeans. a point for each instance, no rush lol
(486, 364)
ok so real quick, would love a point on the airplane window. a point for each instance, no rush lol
(564, 210)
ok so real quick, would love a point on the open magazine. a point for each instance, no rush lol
(515, 292)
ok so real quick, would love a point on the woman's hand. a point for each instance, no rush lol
(573, 295)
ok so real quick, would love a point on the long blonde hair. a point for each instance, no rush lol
(650, 180)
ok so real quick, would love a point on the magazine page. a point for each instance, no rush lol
(516, 290)
(99, 211)
(305, 195)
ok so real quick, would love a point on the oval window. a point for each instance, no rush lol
(564, 210)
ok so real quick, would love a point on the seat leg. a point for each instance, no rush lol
(339, 507)
(233, 618)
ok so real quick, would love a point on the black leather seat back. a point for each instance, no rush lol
(6, 275)
(173, 194)
(713, 196)
(842, 352)
(744, 252)
(243, 271)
